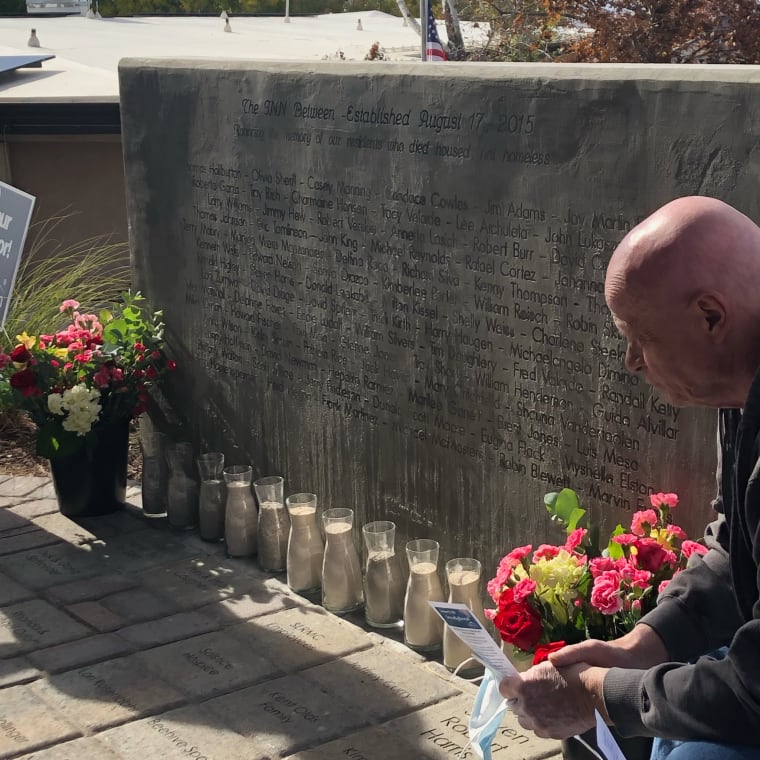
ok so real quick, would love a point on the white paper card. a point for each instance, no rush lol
(464, 624)
(606, 741)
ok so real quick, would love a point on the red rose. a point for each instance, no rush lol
(518, 623)
(24, 380)
(20, 354)
(543, 651)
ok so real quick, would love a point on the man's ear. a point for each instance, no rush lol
(713, 313)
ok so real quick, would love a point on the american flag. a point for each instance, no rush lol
(434, 49)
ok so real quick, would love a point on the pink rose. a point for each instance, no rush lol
(668, 499)
(642, 522)
(605, 594)
(545, 551)
(575, 539)
(692, 547)
(523, 589)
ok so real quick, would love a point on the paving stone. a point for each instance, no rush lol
(385, 680)
(9, 520)
(136, 551)
(257, 602)
(201, 580)
(440, 731)
(90, 588)
(35, 624)
(22, 485)
(127, 520)
(96, 616)
(45, 491)
(136, 605)
(190, 733)
(46, 567)
(65, 528)
(79, 749)
(168, 629)
(214, 663)
(285, 715)
(35, 508)
(23, 541)
(75, 654)
(304, 636)
(104, 695)
(11, 592)
(16, 670)
(369, 744)
(28, 723)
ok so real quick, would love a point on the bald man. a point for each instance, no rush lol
(684, 290)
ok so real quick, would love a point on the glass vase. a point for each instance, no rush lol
(384, 582)
(183, 486)
(212, 499)
(241, 517)
(155, 475)
(274, 524)
(341, 571)
(463, 576)
(423, 628)
(305, 546)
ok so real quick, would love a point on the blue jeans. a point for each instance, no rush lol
(671, 750)
(666, 749)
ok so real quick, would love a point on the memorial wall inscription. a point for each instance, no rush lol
(386, 282)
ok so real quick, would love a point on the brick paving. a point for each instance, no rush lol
(121, 639)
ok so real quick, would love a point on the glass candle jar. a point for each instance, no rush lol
(423, 628)
(183, 486)
(341, 571)
(305, 546)
(384, 582)
(274, 524)
(463, 576)
(240, 514)
(212, 499)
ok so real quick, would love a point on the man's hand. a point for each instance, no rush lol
(556, 704)
(642, 648)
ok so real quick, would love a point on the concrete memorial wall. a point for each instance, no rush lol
(385, 281)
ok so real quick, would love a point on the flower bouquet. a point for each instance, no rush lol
(86, 378)
(556, 595)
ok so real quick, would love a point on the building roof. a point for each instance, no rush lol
(87, 51)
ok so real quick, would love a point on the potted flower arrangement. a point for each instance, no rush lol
(555, 595)
(81, 384)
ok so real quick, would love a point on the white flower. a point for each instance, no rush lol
(83, 407)
(55, 403)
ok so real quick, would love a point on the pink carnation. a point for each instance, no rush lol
(493, 587)
(545, 551)
(662, 586)
(516, 556)
(575, 539)
(600, 565)
(523, 589)
(5, 360)
(647, 518)
(668, 499)
(692, 547)
(69, 303)
(490, 614)
(102, 377)
(625, 539)
(605, 595)
(675, 530)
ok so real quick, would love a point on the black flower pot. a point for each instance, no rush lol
(634, 748)
(93, 481)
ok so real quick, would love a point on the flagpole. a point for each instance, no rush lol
(423, 28)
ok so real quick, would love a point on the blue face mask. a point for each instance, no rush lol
(487, 713)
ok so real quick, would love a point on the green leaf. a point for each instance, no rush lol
(614, 549)
(53, 441)
(565, 507)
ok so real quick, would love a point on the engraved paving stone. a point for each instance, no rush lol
(11, 592)
(395, 301)
(27, 723)
(286, 714)
(440, 732)
(185, 734)
(41, 568)
(302, 637)
(35, 624)
(370, 744)
(99, 696)
(387, 680)
(79, 749)
(211, 664)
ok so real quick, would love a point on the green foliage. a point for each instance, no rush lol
(564, 507)
(95, 270)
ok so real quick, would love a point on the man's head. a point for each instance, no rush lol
(684, 289)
